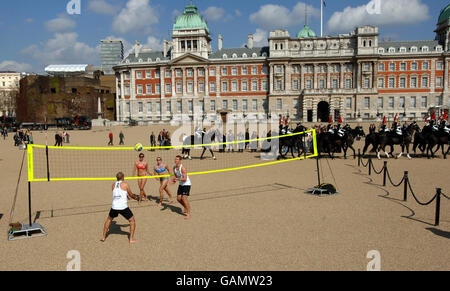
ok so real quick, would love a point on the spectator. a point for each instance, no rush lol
(230, 138)
(30, 138)
(111, 136)
(67, 137)
(121, 137)
(160, 138)
(152, 140)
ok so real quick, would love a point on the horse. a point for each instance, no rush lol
(349, 138)
(205, 139)
(331, 142)
(439, 136)
(289, 143)
(372, 139)
(392, 138)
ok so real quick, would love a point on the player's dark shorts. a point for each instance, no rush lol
(126, 213)
(184, 190)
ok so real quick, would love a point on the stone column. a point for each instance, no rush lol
(314, 109)
(356, 73)
(432, 82)
(342, 79)
(375, 73)
(173, 82)
(206, 81)
(302, 83)
(328, 81)
(287, 76)
(315, 77)
(162, 75)
(195, 81)
(218, 85)
(446, 68)
(271, 85)
(184, 81)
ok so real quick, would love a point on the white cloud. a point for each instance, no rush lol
(154, 43)
(237, 12)
(260, 38)
(102, 7)
(15, 66)
(213, 13)
(63, 48)
(272, 16)
(60, 24)
(137, 17)
(29, 20)
(399, 12)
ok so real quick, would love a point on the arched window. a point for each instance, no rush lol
(264, 55)
(234, 56)
(281, 46)
(403, 49)
(370, 43)
(425, 49)
(414, 49)
(276, 46)
(224, 56)
(149, 60)
(381, 50)
(254, 55)
(392, 50)
(158, 59)
(364, 43)
(140, 61)
(244, 55)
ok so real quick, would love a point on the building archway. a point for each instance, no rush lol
(323, 112)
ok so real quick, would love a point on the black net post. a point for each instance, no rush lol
(438, 206)
(384, 174)
(29, 203)
(405, 186)
(48, 168)
(318, 169)
(359, 157)
(370, 166)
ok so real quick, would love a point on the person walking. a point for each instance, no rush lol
(111, 136)
(121, 192)
(121, 137)
(152, 140)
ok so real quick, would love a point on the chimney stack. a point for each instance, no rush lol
(250, 41)
(220, 44)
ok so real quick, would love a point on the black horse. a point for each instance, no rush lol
(439, 136)
(290, 143)
(392, 138)
(372, 139)
(206, 138)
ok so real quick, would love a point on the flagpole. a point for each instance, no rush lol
(321, 18)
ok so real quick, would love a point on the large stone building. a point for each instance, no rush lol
(9, 88)
(306, 77)
(44, 98)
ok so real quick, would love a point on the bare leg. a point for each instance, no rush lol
(132, 229)
(106, 228)
(180, 200)
(188, 207)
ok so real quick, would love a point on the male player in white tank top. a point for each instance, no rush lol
(184, 188)
(121, 193)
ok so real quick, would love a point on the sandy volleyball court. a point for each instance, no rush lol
(257, 219)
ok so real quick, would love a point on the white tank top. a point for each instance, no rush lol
(120, 201)
(179, 175)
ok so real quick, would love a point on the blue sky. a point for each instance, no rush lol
(38, 33)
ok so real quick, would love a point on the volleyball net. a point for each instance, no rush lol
(49, 163)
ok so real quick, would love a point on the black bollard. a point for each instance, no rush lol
(438, 206)
(405, 187)
(384, 173)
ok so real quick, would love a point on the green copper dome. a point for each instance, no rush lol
(190, 19)
(306, 33)
(445, 14)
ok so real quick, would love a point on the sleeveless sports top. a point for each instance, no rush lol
(160, 170)
(179, 174)
(120, 201)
